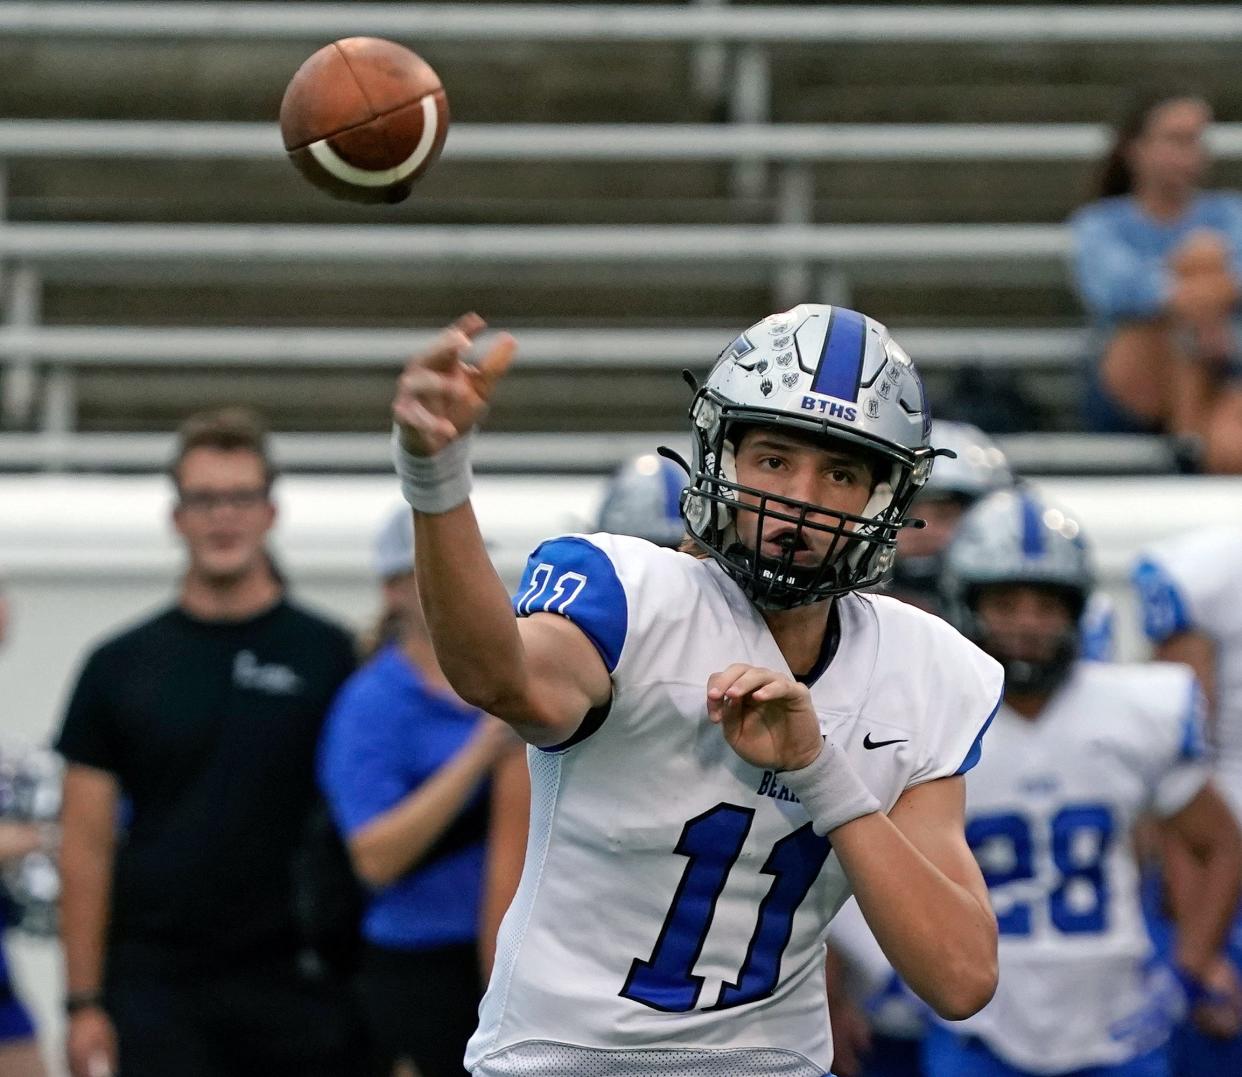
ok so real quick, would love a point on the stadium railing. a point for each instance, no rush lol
(1029, 454)
(630, 22)
(185, 140)
(731, 44)
(223, 248)
(89, 345)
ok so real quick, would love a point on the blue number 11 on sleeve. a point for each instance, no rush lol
(712, 842)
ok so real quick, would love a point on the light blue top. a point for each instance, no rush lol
(1120, 253)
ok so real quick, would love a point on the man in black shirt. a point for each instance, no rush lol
(190, 744)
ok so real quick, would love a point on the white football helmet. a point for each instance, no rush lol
(1015, 537)
(821, 370)
(644, 499)
(969, 465)
(975, 469)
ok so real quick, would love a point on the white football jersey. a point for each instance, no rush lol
(1049, 813)
(674, 901)
(1194, 583)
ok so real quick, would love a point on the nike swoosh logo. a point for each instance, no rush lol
(869, 743)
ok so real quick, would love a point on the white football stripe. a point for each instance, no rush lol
(332, 163)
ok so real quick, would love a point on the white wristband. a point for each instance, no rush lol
(830, 790)
(434, 483)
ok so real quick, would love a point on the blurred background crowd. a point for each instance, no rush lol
(251, 822)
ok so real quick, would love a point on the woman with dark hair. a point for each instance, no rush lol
(1157, 262)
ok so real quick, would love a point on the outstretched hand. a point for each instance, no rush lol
(440, 395)
(766, 717)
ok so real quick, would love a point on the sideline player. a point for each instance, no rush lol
(643, 499)
(1190, 591)
(977, 468)
(679, 878)
(1077, 752)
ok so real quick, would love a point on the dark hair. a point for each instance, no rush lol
(225, 430)
(1115, 177)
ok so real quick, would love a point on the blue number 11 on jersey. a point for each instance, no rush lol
(712, 842)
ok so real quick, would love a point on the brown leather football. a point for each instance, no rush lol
(363, 118)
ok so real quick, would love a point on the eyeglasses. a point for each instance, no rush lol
(205, 500)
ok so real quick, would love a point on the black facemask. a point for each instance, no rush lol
(1042, 678)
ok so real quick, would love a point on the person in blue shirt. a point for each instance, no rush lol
(1157, 263)
(432, 799)
(19, 1049)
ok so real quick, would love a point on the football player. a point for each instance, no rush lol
(643, 498)
(724, 745)
(972, 467)
(1190, 591)
(1077, 752)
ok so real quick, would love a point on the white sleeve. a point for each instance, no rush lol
(1182, 583)
(1185, 768)
(964, 690)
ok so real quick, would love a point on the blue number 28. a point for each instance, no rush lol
(1080, 863)
(712, 842)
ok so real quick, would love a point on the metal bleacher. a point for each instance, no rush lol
(120, 313)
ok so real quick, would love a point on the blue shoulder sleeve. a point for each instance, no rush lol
(1097, 631)
(1194, 743)
(976, 748)
(1164, 609)
(574, 578)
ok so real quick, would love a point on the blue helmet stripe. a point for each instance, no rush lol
(839, 372)
(1032, 529)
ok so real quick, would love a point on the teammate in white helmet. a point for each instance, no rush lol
(1078, 751)
(1190, 591)
(969, 466)
(972, 466)
(723, 746)
(643, 499)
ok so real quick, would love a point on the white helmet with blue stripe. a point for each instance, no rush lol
(644, 499)
(1016, 537)
(833, 373)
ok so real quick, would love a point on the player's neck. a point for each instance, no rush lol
(1026, 705)
(235, 599)
(799, 634)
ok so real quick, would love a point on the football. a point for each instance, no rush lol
(364, 118)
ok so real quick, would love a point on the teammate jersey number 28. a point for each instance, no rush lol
(712, 842)
(1078, 843)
